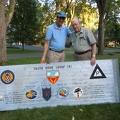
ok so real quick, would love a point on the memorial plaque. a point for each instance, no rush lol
(66, 83)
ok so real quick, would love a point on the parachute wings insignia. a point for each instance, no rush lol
(97, 73)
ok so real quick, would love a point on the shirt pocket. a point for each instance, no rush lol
(73, 41)
(82, 41)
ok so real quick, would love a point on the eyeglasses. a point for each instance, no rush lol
(63, 18)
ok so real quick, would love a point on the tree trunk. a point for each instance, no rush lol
(101, 35)
(4, 21)
(101, 4)
(3, 53)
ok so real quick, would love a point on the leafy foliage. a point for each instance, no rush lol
(45, 17)
(112, 25)
(24, 25)
(88, 15)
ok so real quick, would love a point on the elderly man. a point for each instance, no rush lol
(83, 42)
(56, 35)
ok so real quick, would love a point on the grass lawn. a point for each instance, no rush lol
(15, 50)
(80, 112)
(69, 57)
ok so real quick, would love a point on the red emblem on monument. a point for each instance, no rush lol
(53, 76)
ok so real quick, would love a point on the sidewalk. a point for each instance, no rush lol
(40, 49)
(24, 55)
(27, 55)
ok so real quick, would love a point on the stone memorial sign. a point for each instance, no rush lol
(66, 83)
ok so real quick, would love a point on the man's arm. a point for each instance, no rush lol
(94, 50)
(46, 46)
(68, 43)
(93, 57)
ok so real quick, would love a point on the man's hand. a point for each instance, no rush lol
(43, 60)
(93, 60)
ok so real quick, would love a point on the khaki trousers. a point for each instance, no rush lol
(55, 56)
(85, 56)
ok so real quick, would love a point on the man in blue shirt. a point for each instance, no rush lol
(56, 35)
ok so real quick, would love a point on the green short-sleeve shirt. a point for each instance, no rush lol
(82, 40)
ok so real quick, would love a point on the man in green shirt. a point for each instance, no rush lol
(83, 42)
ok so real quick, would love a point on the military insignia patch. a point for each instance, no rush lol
(77, 92)
(53, 76)
(31, 94)
(62, 93)
(7, 77)
(46, 92)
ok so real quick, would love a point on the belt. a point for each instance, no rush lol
(56, 51)
(79, 53)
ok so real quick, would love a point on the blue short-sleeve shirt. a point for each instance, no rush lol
(57, 36)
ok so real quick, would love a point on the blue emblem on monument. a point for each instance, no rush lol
(46, 93)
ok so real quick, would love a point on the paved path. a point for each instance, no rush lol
(29, 47)
(27, 55)
(39, 52)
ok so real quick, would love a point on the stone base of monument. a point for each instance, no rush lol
(66, 83)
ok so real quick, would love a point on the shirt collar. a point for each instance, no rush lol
(80, 31)
(58, 27)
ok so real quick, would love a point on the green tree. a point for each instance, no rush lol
(101, 4)
(24, 25)
(45, 17)
(6, 13)
(112, 28)
(88, 15)
(76, 8)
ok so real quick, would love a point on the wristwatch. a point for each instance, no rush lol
(93, 55)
